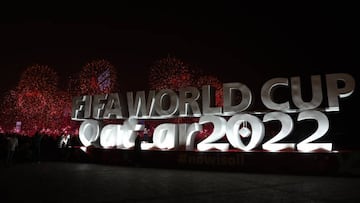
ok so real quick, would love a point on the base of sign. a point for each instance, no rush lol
(319, 163)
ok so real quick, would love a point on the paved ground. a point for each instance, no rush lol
(83, 182)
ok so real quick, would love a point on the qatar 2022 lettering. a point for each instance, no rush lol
(235, 120)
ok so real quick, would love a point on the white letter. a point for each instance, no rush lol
(333, 91)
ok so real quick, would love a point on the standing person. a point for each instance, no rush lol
(63, 141)
(13, 143)
(64, 145)
(37, 146)
(146, 134)
(137, 150)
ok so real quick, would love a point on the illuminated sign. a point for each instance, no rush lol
(234, 120)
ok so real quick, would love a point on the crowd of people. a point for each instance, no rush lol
(15, 147)
(46, 145)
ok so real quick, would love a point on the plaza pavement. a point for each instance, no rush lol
(88, 182)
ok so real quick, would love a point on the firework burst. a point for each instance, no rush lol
(97, 77)
(170, 73)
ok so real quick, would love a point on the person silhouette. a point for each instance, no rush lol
(146, 134)
(37, 146)
(13, 143)
(137, 150)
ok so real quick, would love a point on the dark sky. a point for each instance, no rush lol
(237, 43)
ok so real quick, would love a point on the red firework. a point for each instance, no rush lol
(170, 73)
(97, 77)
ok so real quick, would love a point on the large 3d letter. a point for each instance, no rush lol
(334, 91)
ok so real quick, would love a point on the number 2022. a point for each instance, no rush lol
(236, 128)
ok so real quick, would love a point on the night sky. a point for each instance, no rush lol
(254, 42)
(236, 43)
